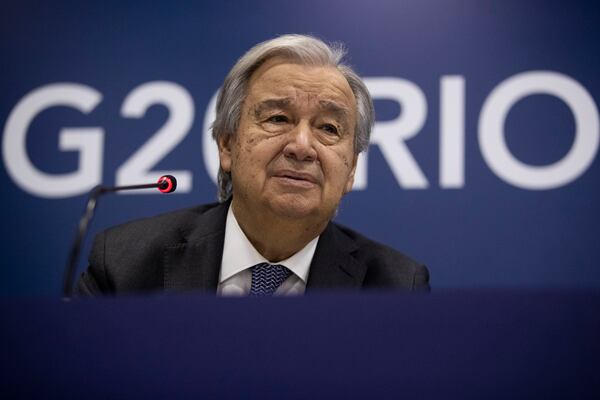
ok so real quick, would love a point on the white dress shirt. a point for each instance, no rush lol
(239, 255)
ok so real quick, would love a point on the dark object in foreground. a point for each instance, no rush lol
(461, 345)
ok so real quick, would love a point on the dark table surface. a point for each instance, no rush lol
(454, 344)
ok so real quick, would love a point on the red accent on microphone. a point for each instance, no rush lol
(167, 183)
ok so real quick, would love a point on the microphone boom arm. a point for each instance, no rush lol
(165, 184)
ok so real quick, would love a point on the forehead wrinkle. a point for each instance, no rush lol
(326, 105)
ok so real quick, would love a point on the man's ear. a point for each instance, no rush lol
(350, 181)
(224, 143)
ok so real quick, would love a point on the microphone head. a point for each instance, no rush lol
(167, 184)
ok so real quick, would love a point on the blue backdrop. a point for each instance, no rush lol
(484, 157)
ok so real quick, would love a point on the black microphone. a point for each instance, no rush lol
(165, 184)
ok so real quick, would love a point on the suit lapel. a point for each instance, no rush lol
(333, 266)
(194, 262)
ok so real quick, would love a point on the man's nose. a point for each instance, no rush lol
(300, 145)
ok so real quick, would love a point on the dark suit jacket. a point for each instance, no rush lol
(182, 250)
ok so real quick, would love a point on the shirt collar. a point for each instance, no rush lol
(239, 254)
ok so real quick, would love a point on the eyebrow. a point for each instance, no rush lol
(341, 112)
(332, 107)
(271, 104)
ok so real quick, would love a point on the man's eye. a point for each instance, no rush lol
(277, 119)
(329, 128)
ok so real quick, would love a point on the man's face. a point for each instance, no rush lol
(293, 155)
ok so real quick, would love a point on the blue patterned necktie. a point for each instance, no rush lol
(266, 278)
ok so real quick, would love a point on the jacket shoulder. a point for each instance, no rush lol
(169, 228)
(129, 257)
(387, 268)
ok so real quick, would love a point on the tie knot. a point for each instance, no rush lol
(266, 278)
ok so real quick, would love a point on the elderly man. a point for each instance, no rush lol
(291, 121)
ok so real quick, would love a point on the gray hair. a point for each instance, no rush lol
(306, 50)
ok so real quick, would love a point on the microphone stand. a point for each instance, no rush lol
(165, 184)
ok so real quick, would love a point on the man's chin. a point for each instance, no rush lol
(293, 208)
